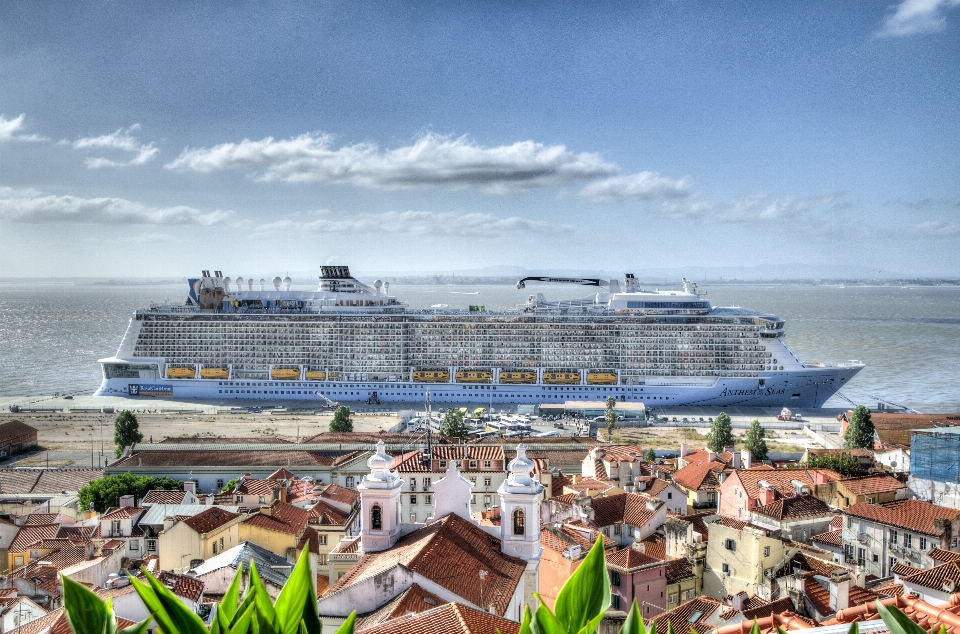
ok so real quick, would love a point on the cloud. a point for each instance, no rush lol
(10, 127)
(936, 229)
(639, 186)
(433, 161)
(745, 208)
(28, 206)
(911, 17)
(419, 223)
(121, 140)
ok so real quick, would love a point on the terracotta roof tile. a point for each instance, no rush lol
(15, 429)
(913, 515)
(891, 589)
(781, 480)
(450, 618)
(680, 616)
(255, 486)
(282, 474)
(413, 600)
(678, 570)
(181, 585)
(209, 520)
(700, 476)
(817, 589)
(935, 578)
(450, 552)
(29, 534)
(340, 494)
(163, 497)
(284, 518)
(628, 559)
(872, 484)
(41, 518)
(831, 538)
(655, 546)
(326, 514)
(121, 512)
(939, 554)
(903, 570)
(797, 507)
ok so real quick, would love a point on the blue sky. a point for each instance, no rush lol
(255, 137)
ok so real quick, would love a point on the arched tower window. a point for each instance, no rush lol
(376, 517)
(518, 522)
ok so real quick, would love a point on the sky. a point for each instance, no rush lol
(159, 139)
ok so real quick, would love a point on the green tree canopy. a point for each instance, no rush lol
(105, 492)
(844, 464)
(126, 431)
(610, 417)
(341, 420)
(649, 455)
(453, 424)
(756, 441)
(859, 434)
(721, 433)
(229, 486)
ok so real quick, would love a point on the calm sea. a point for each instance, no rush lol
(909, 337)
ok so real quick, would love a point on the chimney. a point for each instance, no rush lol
(766, 493)
(167, 523)
(189, 486)
(711, 456)
(283, 493)
(839, 590)
(728, 449)
(653, 504)
(126, 500)
(266, 510)
(683, 449)
(738, 601)
(747, 458)
(736, 460)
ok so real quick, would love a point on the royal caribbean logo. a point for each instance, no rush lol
(135, 389)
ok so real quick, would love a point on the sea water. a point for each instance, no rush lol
(908, 337)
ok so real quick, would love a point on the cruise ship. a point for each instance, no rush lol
(350, 341)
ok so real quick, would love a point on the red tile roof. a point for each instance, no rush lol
(254, 486)
(913, 515)
(163, 497)
(872, 484)
(283, 517)
(15, 429)
(701, 476)
(326, 514)
(939, 554)
(413, 600)
(558, 538)
(340, 494)
(630, 559)
(181, 585)
(903, 570)
(31, 533)
(832, 538)
(818, 592)
(935, 578)
(797, 507)
(42, 518)
(678, 570)
(450, 618)
(281, 474)
(121, 512)
(450, 551)
(781, 480)
(210, 519)
(680, 616)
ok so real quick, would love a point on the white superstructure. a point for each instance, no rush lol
(350, 341)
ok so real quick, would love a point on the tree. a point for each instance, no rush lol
(721, 433)
(453, 425)
(756, 441)
(341, 420)
(859, 434)
(649, 455)
(229, 486)
(126, 431)
(845, 464)
(611, 417)
(105, 492)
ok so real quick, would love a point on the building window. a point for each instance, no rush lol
(413, 484)
(876, 558)
(487, 500)
(725, 568)
(893, 562)
(615, 601)
(219, 484)
(376, 517)
(893, 537)
(214, 548)
(669, 495)
(473, 464)
(322, 539)
(263, 500)
(690, 594)
(134, 544)
(473, 481)
(426, 483)
(861, 557)
(486, 482)
(729, 544)
(907, 540)
(486, 464)
(443, 464)
(673, 599)
(518, 522)
(413, 499)
(766, 551)
(348, 482)
(413, 518)
(151, 545)
(616, 529)
(871, 500)
(614, 578)
(473, 499)
(428, 500)
(923, 543)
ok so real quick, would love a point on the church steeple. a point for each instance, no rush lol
(379, 503)
(520, 497)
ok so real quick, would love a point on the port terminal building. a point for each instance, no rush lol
(625, 411)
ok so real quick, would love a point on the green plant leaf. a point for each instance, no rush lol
(297, 602)
(153, 605)
(244, 619)
(86, 612)
(855, 628)
(265, 614)
(634, 622)
(670, 627)
(546, 622)
(897, 621)
(136, 628)
(348, 625)
(756, 627)
(525, 623)
(230, 598)
(586, 594)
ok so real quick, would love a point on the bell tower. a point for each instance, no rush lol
(520, 497)
(379, 503)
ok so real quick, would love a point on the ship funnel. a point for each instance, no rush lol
(226, 284)
(286, 283)
(378, 285)
(250, 283)
(276, 283)
(240, 284)
(386, 287)
(262, 282)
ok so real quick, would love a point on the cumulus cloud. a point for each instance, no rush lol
(745, 208)
(911, 17)
(28, 206)
(10, 128)
(121, 140)
(432, 161)
(420, 223)
(639, 186)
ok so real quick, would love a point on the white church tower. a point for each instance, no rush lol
(379, 503)
(520, 497)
